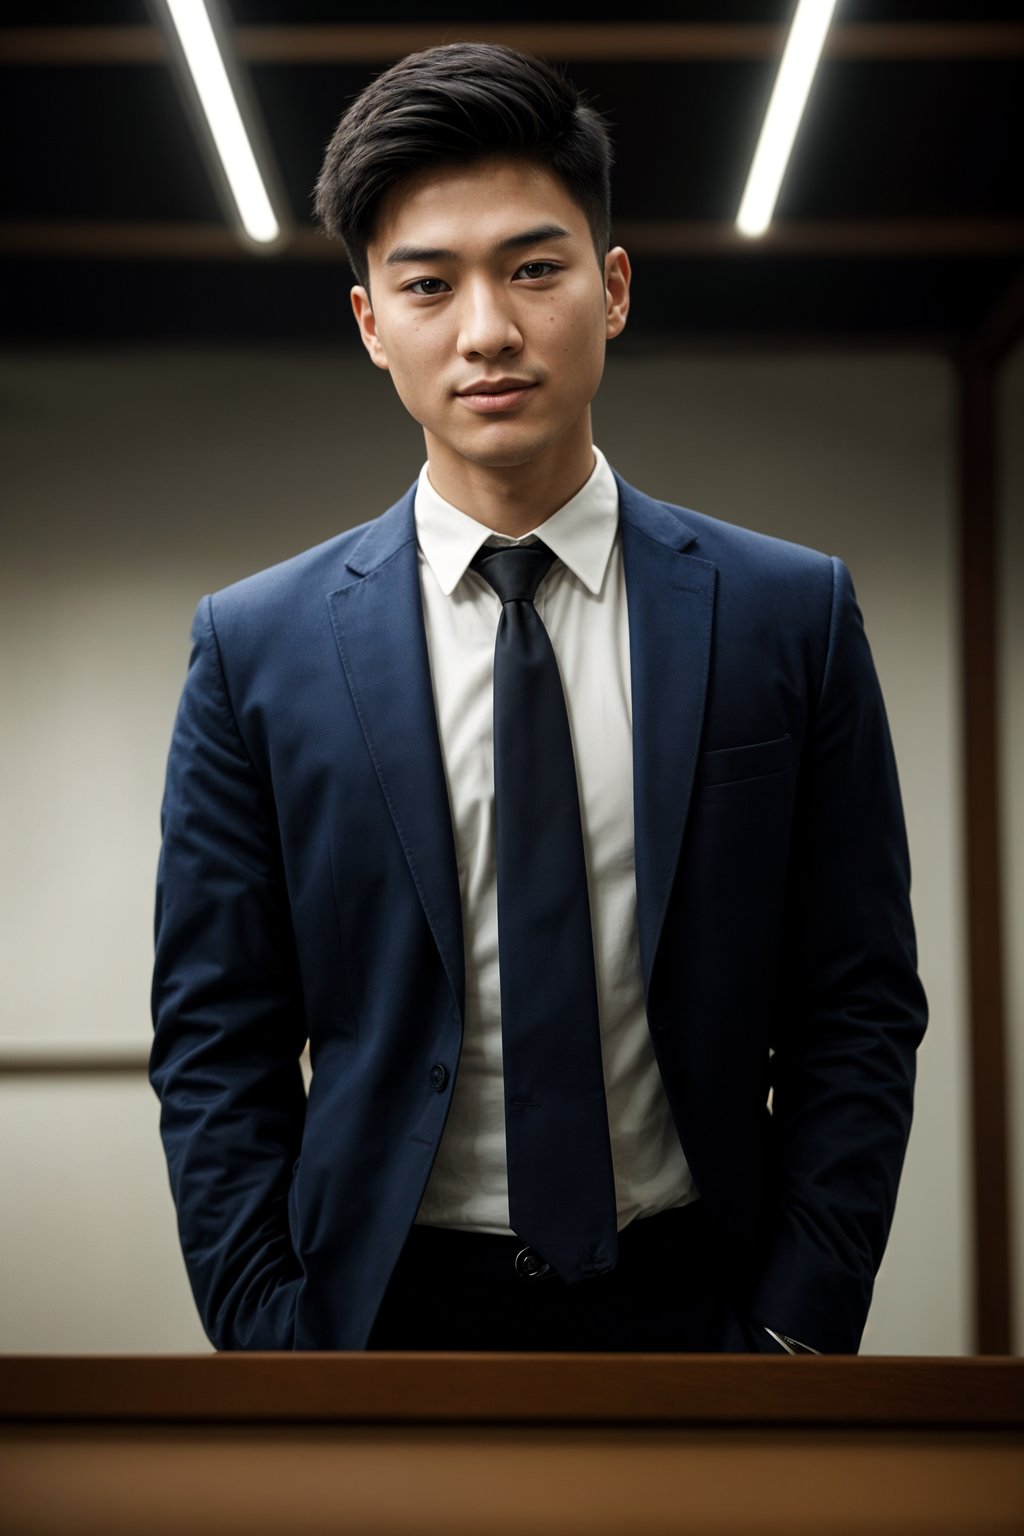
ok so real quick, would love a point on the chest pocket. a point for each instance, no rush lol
(734, 765)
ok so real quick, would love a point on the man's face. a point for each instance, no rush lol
(490, 311)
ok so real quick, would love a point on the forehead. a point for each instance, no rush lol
(478, 204)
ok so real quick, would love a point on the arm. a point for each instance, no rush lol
(853, 1014)
(228, 1019)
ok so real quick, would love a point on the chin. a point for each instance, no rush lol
(504, 449)
(508, 459)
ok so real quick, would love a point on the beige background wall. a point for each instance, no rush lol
(140, 480)
(1011, 498)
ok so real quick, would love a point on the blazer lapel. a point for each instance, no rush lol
(378, 625)
(670, 595)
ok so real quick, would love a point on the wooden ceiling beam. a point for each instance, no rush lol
(638, 42)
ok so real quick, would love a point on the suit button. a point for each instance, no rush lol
(438, 1077)
(530, 1265)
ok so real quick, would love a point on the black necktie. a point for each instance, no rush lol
(561, 1186)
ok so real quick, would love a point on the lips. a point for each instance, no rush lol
(500, 386)
(495, 394)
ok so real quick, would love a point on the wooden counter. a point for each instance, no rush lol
(484, 1445)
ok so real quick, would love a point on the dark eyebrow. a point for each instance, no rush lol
(534, 236)
(418, 253)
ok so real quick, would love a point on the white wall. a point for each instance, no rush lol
(140, 480)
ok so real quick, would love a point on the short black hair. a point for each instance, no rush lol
(455, 104)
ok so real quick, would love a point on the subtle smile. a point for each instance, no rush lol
(496, 395)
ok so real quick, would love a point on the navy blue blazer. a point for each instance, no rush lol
(308, 888)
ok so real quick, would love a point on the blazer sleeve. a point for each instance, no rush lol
(853, 1012)
(228, 1018)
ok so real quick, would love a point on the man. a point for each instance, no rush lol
(562, 822)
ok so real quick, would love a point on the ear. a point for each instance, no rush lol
(617, 273)
(367, 324)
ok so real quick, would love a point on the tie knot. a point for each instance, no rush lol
(516, 571)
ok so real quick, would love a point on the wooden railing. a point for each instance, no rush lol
(483, 1445)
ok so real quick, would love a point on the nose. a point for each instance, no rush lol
(487, 325)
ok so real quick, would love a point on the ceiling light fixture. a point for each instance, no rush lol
(785, 109)
(220, 105)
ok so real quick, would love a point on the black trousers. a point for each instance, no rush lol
(670, 1291)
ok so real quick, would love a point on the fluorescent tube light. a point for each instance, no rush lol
(785, 109)
(224, 119)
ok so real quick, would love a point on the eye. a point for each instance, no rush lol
(427, 287)
(536, 269)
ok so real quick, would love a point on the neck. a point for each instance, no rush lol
(510, 498)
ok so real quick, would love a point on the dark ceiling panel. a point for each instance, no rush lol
(884, 141)
(683, 132)
(300, 107)
(928, 10)
(879, 141)
(66, 13)
(935, 139)
(459, 12)
(101, 143)
(42, 13)
(887, 140)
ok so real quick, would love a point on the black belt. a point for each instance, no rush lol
(492, 1255)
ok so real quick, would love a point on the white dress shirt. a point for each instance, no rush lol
(582, 602)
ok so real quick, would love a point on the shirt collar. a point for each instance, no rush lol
(581, 533)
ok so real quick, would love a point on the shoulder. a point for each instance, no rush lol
(721, 540)
(741, 556)
(296, 589)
